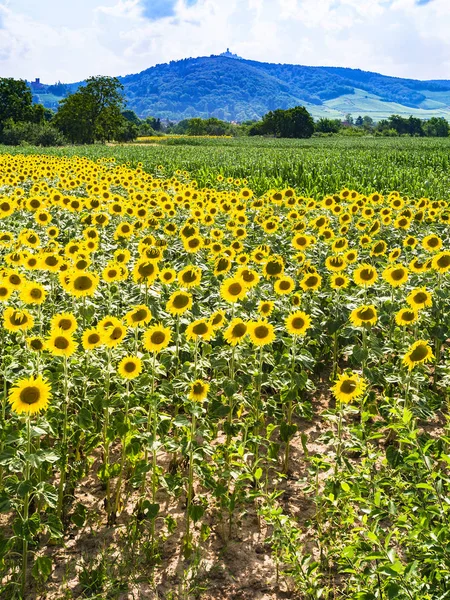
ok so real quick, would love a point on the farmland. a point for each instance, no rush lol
(224, 370)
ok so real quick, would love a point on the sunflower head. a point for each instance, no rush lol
(261, 332)
(420, 352)
(364, 316)
(30, 395)
(198, 390)
(130, 367)
(298, 323)
(157, 338)
(349, 387)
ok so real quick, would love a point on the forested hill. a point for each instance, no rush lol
(238, 90)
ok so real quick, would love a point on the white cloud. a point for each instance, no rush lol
(72, 40)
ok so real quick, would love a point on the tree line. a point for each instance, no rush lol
(96, 112)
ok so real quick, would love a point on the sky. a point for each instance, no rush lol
(69, 40)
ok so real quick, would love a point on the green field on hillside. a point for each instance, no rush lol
(313, 167)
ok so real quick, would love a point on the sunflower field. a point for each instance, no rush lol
(209, 392)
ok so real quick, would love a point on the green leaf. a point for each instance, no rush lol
(196, 512)
(287, 431)
(258, 473)
(42, 568)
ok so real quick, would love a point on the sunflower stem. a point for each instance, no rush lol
(290, 409)
(105, 432)
(190, 490)
(62, 479)
(123, 455)
(26, 504)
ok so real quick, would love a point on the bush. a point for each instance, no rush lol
(37, 134)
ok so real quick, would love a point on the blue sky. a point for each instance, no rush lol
(69, 40)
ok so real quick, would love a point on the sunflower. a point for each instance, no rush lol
(198, 390)
(364, 315)
(5, 292)
(311, 282)
(61, 343)
(139, 315)
(249, 276)
(365, 275)
(65, 321)
(190, 276)
(297, 323)
(432, 243)
(273, 267)
(91, 338)
(284, 285)
(156, 338)
(17, 320)
(130, 367)
(199, 329)
(222, 265)
(114, 335)
(349, 387)
(217, 319)
(82, 283)
(36, 344)
(233, 289)
(265, 307)
(419, 298)
(338, 281)
(30, 395)
(261, 332)
(335, 263)
(441, 262)
(406, 316)
(396, 275)
(145, 271)
(419, 352)
(236, 331)
(178, 303)
(167, 276)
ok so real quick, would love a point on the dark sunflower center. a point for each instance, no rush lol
(193, 243)
(3, 292)
(36, 344)
(51, 261)
(311, 281)
(274, 268)
(366, 314)
(298, 323)
(235, 289)
(444, 261)
(217, 319)
(36, 293)
(200, 329)
(116, 333)
(83, 283)
(433, 242)
(239, 330)
(198, 389)
(93, 338)
(190, 276)
(398, 274)
(408, 316)
(348, 386)
(366, 274)
(64, 324)
(139, 315)
(418, 354)
(15, 280)
(30, 395)
(61, 343)
(5, 206)
(180, 301)
(420, 298)
(285, 285)
(222, 264)
(18, 318)
(339, 281)
(146, 269)
(158, 337)
(130, 367)
(261, 332)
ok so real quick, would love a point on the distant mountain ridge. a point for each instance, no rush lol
(236, 89)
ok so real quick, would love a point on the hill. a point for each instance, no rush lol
(236, 89)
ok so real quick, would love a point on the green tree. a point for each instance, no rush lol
(93, 112)
(436, 127)
(325, 125)
(15, 101)
(291, 123)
